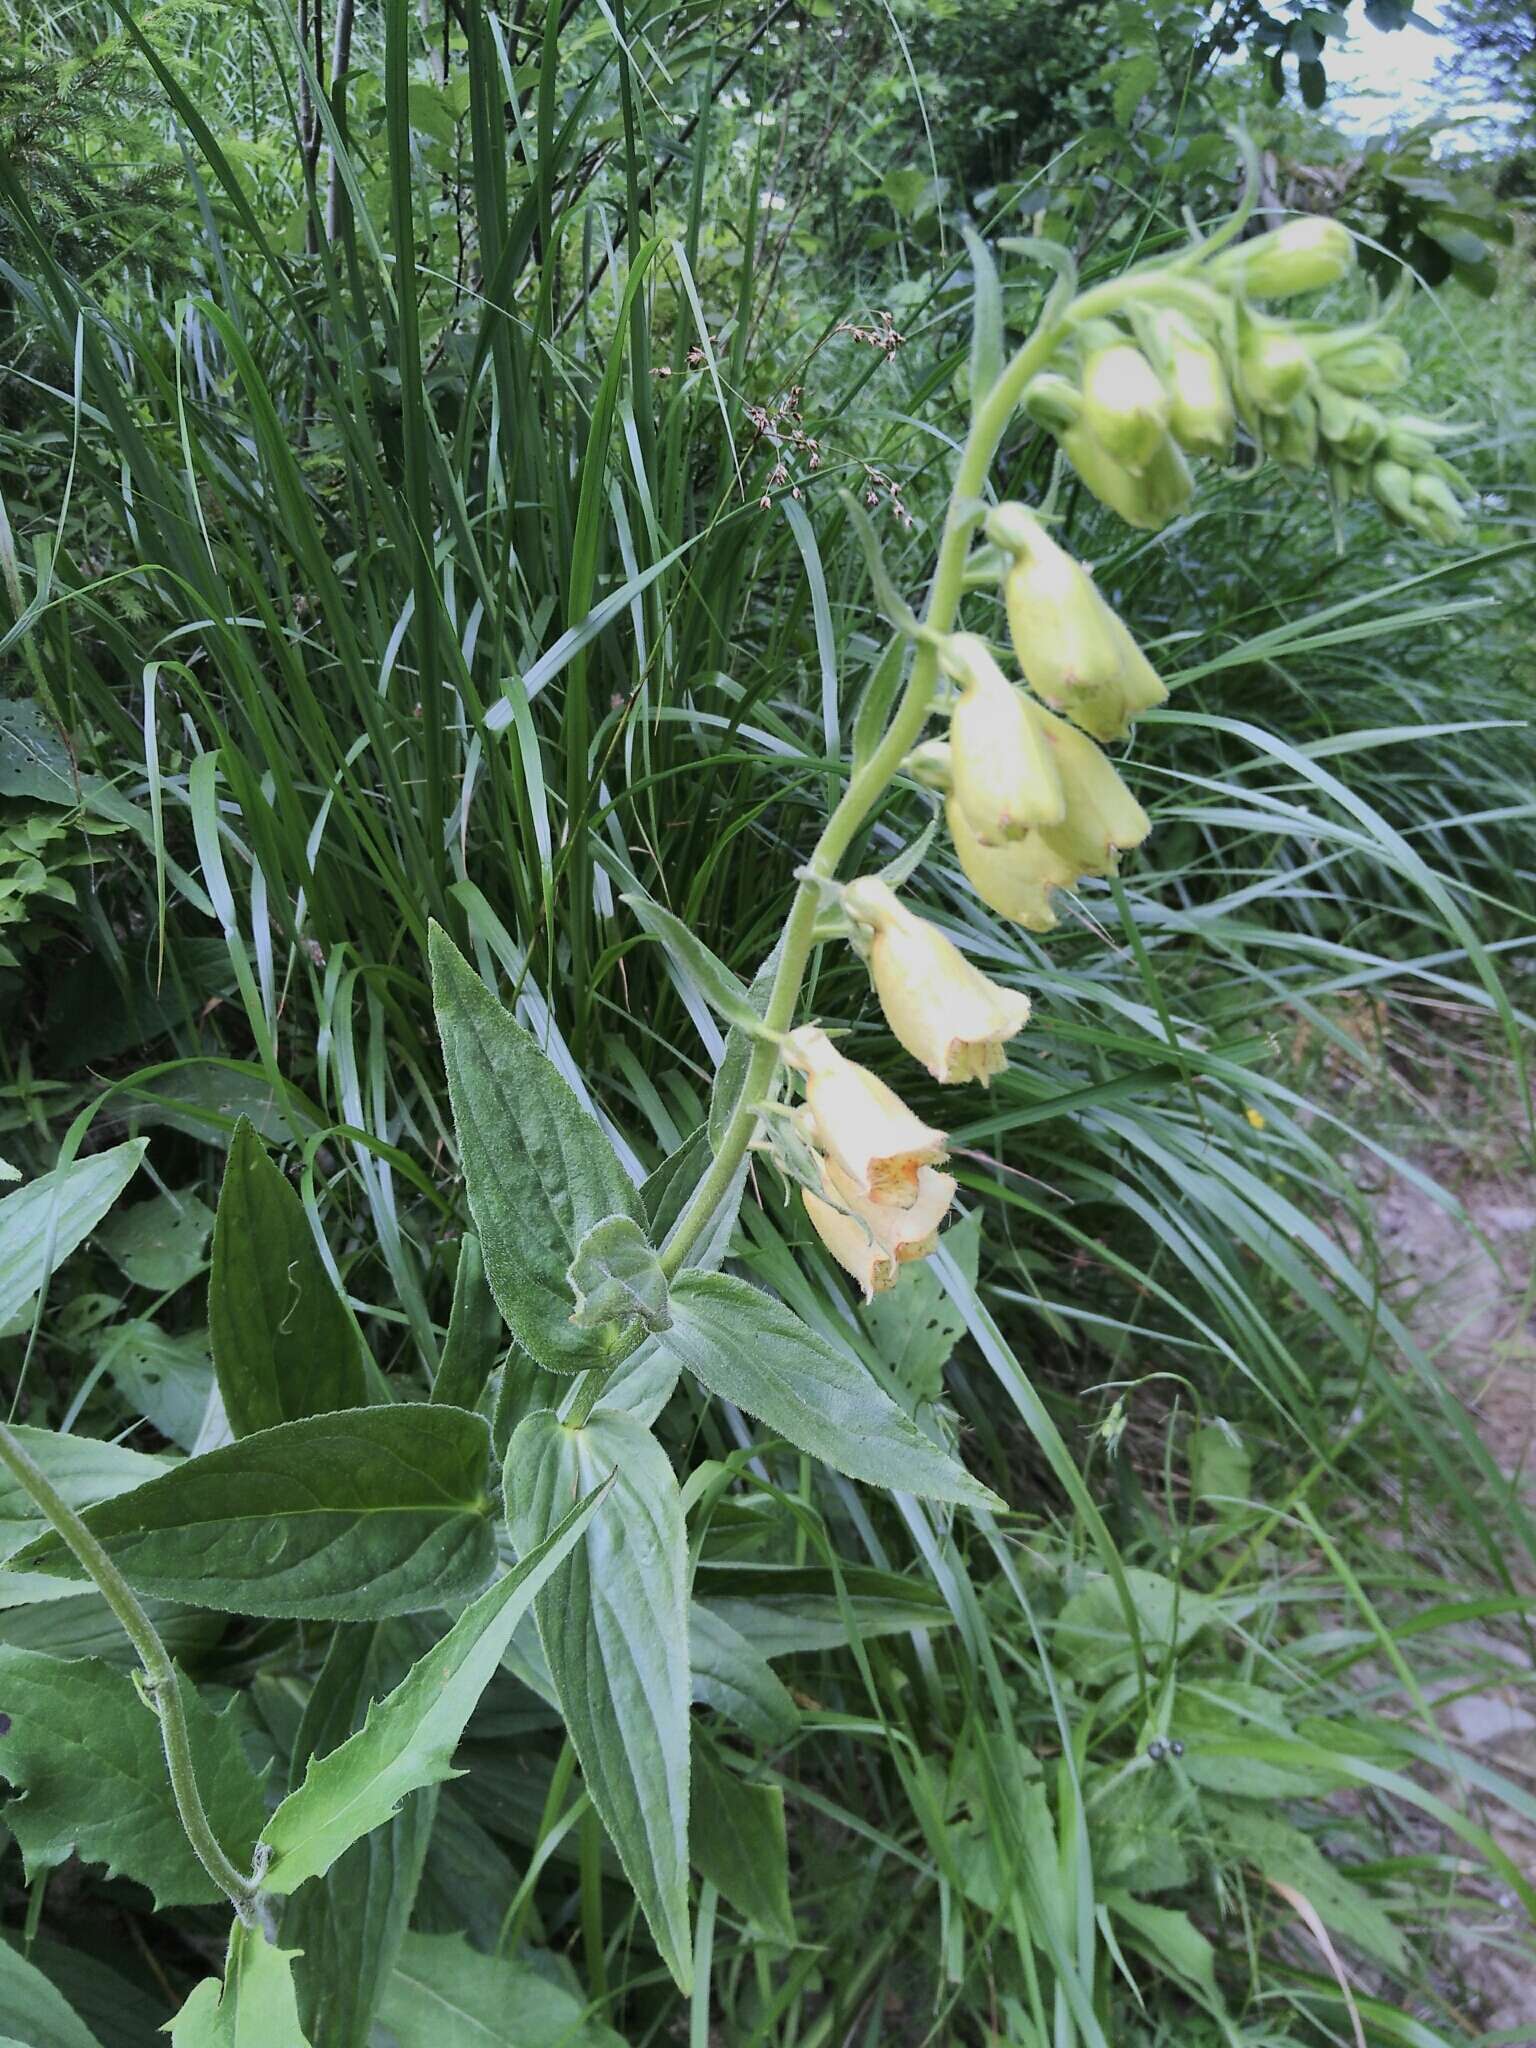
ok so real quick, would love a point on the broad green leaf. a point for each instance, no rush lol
(444, 1992)
(346, 1517)
(1091, 1636)
(36, 2014)
(85, 1750)
(737, 1840)
(713, 979)
(613, 1621)
(1282, 1853)
(409, 1738)
(166, 1378)
(538, 1170)
(733, 1676)
(1173, 1939)
(254, 2007)
(43, 1222)
(616, 1278)
(80, 1468)
(160, 1244)
(751, 1349)
(475, 1338)
(284, 1345)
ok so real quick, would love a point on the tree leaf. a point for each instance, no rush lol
(710, 976)
(85, 1749)
(616, 1277)
(284, 1345)
(538, 1170)
(344, 1517)
(753, 1350)
(444, 1991)
(42, 1223)
(737, 1841)
(39, 2016)
(409, 1738)
(80, 1468)
(613, 1621)
(254, 2007)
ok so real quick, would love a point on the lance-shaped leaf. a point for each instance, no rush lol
(41, 1224)
(733, 1676)
(254, 2007)
(409, 1737)
(753, 1350)
(713, 979)
(538, 1171)
(283, 1343)
(613, 1621)
(616, 1277)
(85, 1749)
(336, 1518)
(475, 1337)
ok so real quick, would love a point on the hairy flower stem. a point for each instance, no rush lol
(160, 1680)
(988, 425)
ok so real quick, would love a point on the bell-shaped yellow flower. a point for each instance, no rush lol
(944, 1011)
(1017, 880)
(1074, 651)
(1003, 775)
(872, 1240)
(1125, 406)
(1103, 819)
(860, 1125)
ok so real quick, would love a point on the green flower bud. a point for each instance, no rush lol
(1053, 401)
(1274, 365)
(1393, 484)
(1302, 256)
(1168, 483)
(1350, 425)
(1441, 511)
(1291, 436)
(1124, 403)
(929, 765)
(1110, 481)
(1200, 416)
(1360, 363)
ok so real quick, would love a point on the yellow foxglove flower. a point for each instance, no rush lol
(871, 1240)
(1004, 778)
(1124, 404)
(1103, 819)
(1302, 256)
(1074, 651)
(944, 1011)
(1017, 880)
(860, 1125)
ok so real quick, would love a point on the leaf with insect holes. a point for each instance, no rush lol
(347, 1517)
(538, 1171)
(616, 1277)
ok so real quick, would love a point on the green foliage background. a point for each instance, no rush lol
(455, 535)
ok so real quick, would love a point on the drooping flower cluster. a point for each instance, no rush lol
(1176, 380)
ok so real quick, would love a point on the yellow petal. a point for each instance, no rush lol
(1002, 771)
(861, 1126)
(1016, 881)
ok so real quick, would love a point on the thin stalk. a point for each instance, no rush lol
(160, 1682)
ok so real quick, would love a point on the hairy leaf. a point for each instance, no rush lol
(616, 1277)
(738, 1843)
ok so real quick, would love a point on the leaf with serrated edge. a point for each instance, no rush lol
(613, 1621)
(537, 1169)
(754, 1351)
(409, 1737)
(85, 1750)
(348, 1517)
(254, 2007)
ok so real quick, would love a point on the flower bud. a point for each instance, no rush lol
(1103, 819)
(1302, 256)
(1053, 401)
(1414, 441)
(1291, 436)
(930, 766)
(871, 1240)
(1393, 484)
(1274, 365)
(1441, 513)
(1361, 362)
(1015, 880)
(1075, 653)
(1124, 404)
(1003, 775)
(1351, 425)
(1167, 482)
(944, 1011)
(1200, 415)
(860, 1125)
(1110, 481)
